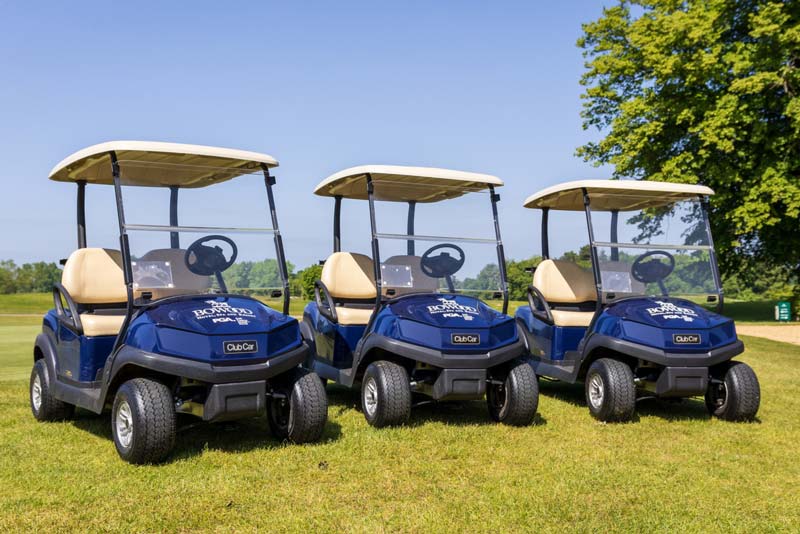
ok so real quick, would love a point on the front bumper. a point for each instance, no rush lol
(665, 358)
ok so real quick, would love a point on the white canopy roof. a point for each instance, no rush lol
(606, 195)
(404, 184)
(151, 163)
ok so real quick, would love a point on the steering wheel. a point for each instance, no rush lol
(444, 264)
(652, 270)
(209, 260)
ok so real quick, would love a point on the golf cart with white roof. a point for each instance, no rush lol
(154, 329)
(635, 325)
(414, 323)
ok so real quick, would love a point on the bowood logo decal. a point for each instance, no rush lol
(451, 308)
(668, 310)
(222, 312)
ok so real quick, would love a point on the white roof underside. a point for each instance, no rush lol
(151, 163)
(606, 195)
(404, 184)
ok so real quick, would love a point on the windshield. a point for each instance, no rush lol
(222, 240)
(450, 248)
(664, 250)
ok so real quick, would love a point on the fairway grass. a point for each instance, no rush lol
(450, 469)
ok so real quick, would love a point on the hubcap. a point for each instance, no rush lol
(370, 396)
(36, 392)
(123, 420)
(596, 391)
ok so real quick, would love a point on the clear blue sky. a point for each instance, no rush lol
(481, 86)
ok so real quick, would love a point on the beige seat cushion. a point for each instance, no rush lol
(94, 276)
(349, 275)
(564, 282)
(101, 325)
(422, 283)
(353, 316)
(184, 280)
(571, 318)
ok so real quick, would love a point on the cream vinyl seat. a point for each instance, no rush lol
(350, 279)
(563, 283)
(94, 276)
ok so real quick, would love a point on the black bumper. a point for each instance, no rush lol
(226, 402)
(662, 357)
(210, 373)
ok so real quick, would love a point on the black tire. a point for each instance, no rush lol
(300, 411)
(610, 391)
(149, 421)
(385, 394)
(44, 406)
(516, 400)
(738, 395)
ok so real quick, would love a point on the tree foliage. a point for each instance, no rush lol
(705, 91)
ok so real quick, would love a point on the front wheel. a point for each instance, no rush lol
(298, 410)
(143, 421)
(386, 394)
(515, 401)
(44, 406)
(610, 391)
(735, 394)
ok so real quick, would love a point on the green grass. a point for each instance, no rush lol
(673, 469)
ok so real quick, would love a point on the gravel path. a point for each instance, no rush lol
(785, 333)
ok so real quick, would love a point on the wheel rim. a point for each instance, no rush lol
(370, 396)
(596, 391)
(498, 397)
(721, 395)
(281, 411)
(123, 421)
(36, 392)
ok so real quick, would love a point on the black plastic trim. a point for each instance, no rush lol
(662, 357)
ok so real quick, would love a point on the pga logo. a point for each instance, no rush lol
(240, 347)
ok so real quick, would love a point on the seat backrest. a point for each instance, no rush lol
(564, 282)
(422, 282)
(348, 275)
(94, 276)
(184, 280)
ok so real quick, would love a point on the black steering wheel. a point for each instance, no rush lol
(209, 260)
(653, 270)
(443, 265)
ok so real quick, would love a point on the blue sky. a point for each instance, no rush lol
(481, 86)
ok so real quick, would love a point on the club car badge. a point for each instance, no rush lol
(465, 339)
(240, 347)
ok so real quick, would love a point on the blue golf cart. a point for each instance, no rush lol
(405, 324)
(634, 321)
(155, 329)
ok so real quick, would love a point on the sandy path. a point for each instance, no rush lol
(785, 333)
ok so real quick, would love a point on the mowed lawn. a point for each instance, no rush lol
(451, 469)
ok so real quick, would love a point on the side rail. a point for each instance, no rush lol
(539, 306)
(70, 317)
(327, 309)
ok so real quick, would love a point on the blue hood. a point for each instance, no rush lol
(431, 320)
(198, 328)
(666, 313)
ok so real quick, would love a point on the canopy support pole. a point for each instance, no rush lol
(712, 255)
(376, 256)
(545, 237)
(614, 235)
(337, 224)
(269, 181)
(592, 250)
(412, 204)
(125, 250)
(174, 237)
(501, 256)
(82, 214)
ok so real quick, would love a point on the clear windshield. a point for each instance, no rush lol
(654, 251)
(222, 242)
(452, 247)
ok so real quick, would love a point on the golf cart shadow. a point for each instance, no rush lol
(453, 413)
(193, 439)
(680, 409)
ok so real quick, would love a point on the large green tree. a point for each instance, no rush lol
(705, 91)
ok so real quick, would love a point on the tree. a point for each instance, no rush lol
(705, 91)
(307, 277)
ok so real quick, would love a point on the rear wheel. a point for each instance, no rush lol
(44, 406)
(514, 402)
(385, 394)
(735, 394)
(299, 409)
(610, 391)
(143, 421)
